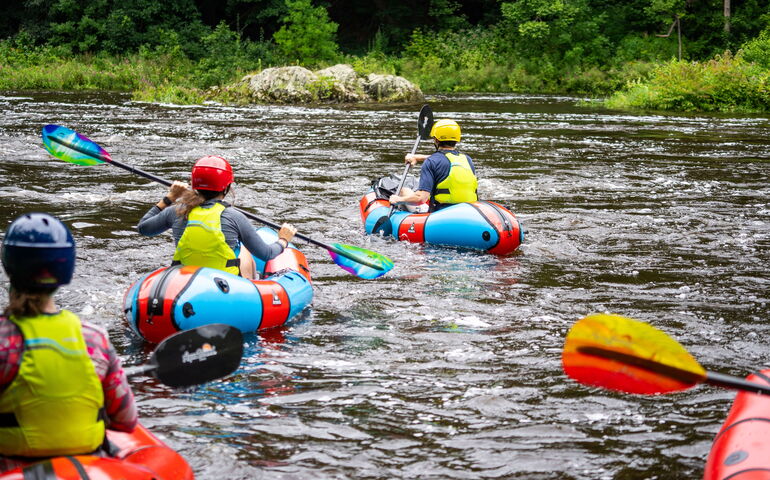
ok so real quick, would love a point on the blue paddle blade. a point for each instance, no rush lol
(72, 147)
(360, 262)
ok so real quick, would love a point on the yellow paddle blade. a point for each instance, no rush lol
(619, 353)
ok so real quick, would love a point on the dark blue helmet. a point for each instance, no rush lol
(38, 252)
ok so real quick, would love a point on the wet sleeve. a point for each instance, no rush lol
(156, 221)
(427, 179)
(252, 241)
(119, 404)
(11, 350)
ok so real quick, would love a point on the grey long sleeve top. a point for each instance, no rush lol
(235, 226)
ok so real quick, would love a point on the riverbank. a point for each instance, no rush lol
(726, 83)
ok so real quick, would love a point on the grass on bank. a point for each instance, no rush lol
(726, 83)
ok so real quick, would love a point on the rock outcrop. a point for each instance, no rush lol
(337, 84)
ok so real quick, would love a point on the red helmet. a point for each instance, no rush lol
(211, 173)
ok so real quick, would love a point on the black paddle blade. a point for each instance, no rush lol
(425, 122)
(197, 356)
(383, 226)
(424, 126)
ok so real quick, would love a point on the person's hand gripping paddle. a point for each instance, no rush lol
(424, 125)
(70, 146)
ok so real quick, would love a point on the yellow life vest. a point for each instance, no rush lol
(54, 406)
(203, 244)
(460, 185)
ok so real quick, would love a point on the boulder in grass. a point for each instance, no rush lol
(390, 88)
(283, 85)
(337, 84)
(347, 86)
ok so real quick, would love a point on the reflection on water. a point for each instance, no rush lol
(449, 366)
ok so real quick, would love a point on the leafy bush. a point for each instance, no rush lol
(726, 84)
(22, 51)
(463, 60)
(227, 57)
(644, 48)
(758, 50)
(169, 93)
(375, 62)
(307, 35)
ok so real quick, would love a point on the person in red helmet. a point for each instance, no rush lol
(207, 231)
(61, 382)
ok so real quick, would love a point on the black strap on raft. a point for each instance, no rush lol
(79, 467)
(155, 298)
(44, 470)
(39, 471)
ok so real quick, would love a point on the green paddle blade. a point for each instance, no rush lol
(622, 354)
(359, 261)
(72, 147)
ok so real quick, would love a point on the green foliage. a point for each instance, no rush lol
(322, 88)
(665, 10)
(169, 93)
(307, 35)
(122, 27)
(445, 14)
(758, 50)
(643, 48)
(563, 33)
(21, 51)
(227, 57)
(44, 69)
(462, 60)
(179, 50)
(725, 83)
(375, 62)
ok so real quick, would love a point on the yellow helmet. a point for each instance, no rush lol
(446, 130)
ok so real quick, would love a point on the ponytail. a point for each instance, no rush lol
(27, 304)
(194, 198)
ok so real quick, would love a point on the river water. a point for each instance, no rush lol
(449, 367)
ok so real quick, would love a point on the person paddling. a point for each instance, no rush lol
(447, 176)
(207, 231)
(61, 382)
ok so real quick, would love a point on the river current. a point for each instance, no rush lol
(449, 367)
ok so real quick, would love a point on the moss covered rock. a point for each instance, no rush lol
(337, 84)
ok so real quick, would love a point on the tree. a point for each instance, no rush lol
(308, 35)
(560, 31)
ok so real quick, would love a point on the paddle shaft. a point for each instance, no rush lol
(250, 215)
(406, 171)
(728, 381)
(140, 369)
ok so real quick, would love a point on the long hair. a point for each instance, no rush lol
(194, 198)
(27, 304)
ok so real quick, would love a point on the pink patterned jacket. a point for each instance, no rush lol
(118, 399)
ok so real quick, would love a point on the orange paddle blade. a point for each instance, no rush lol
(619, 353)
